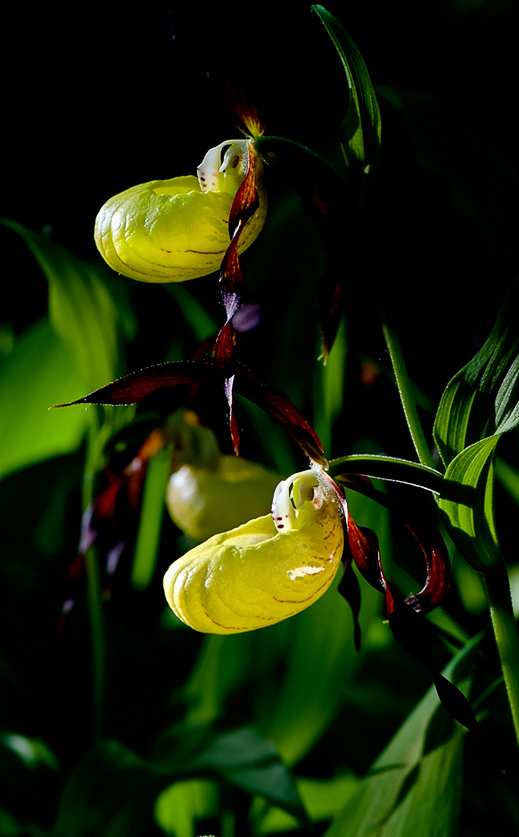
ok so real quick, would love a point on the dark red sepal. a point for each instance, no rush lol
(132, 388)
(137, 385)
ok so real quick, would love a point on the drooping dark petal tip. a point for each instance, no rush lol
(364, 548)
(132, 388)
(437, 564)
(428, 538)
(282, 410)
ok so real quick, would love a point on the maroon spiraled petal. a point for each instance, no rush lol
(134, 387)
(282, 410)
(244, 205)
(438, 568)
(246, 199)
(225, 345)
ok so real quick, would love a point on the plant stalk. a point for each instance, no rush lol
(95, 614)
(507, 637)
(95, 440)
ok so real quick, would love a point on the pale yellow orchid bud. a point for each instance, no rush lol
(204, 500)
(265, 570)
(208, 491)
(174, 230)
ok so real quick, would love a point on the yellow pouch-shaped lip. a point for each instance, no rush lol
(261, 572)
(175, 230)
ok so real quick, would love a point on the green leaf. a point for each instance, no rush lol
(329, 389)
(414, 786)
(179, 806)
(82, 310)
(361, 129)
(322, 798)
(248, 760)
(150, 522)
(377, 466)
(38, 372)
(482, 399)
(108, 794)
(242, 757)
(467, 503)
(202, 324)
(33, 752)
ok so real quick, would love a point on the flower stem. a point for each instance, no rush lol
(505, 631)
(95, 441)
(404, 384)
(97, 640)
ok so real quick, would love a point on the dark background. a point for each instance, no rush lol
(99, 96)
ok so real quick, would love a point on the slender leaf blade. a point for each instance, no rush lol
(414, 786)
(362, 125)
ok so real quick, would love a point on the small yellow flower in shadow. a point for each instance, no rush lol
(207, 490)
(265, 570)
(174, 230)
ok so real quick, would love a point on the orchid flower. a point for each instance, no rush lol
(178, 229)
(265, 570)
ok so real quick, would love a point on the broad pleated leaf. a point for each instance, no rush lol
(483, 398)
(83, 311)
(38, 371)
(467, 502)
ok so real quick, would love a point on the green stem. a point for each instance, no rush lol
(406, 391)
(95, 441)
(95, 613)
(507, 638)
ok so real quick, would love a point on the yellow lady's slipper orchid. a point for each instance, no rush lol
(174, 230)
(265, 570)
